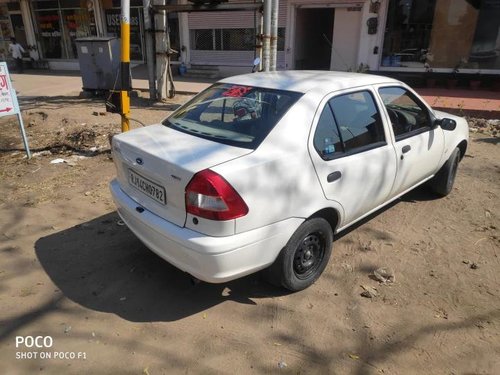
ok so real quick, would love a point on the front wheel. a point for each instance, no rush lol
(304, 258)
(442, 182)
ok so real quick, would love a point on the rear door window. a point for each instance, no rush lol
(349, 123)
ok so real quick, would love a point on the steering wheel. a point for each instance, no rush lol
(398, 120)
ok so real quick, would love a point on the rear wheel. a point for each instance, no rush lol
(305, 256)
(442, 183)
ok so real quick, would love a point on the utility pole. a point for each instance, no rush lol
(266, 37)
(150, 53)
(125, 65)
(274, 34)
(259, 37)
(164, 82)
(160, 23)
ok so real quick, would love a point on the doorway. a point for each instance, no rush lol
(313, 38)
(18, 28)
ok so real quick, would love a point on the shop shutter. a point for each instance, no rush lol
(231, 20)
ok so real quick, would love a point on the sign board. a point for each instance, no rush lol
(8, 98)
(8, 102)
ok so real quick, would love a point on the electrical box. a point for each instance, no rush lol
(99, 59)
(114, 102)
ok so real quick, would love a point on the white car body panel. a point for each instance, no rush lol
(365, 182)
(283, 181)
(312, 82)
(211, 259)
(453, 138)
(420, 162)
(277, 180)
(169, 158)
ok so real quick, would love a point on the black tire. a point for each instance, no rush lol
(305, 256)
(442, 182)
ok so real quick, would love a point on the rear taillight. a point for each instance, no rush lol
(210, 196)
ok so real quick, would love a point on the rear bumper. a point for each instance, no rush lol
(211, 259)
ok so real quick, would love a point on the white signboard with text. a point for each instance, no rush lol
(8, 102)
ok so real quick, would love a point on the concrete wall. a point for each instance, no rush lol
(370, 45)
(64, 65)
(346, 32)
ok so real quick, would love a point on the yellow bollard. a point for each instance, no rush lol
(125, 64)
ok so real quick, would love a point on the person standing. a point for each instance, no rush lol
(17, 54)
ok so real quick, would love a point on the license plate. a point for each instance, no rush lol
(148, 187)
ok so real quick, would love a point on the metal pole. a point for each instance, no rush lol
(266, 36)
(150, 53)
(258, 39)
(125, 64)
(168, 78)
(23, 135)
(161, 58)
(274, 34)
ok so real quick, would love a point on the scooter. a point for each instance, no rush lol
(256, 64)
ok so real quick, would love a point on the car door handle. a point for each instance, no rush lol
(334, 176)
(406, 148)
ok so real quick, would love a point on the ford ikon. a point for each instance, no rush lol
(261, 171)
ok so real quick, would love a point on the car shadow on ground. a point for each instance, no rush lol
(492, 140)
(102, 266)
(421, 194)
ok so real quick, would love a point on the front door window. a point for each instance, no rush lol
(408, 115)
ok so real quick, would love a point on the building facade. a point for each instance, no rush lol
(385, 35)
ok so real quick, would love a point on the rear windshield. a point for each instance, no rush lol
(236, 115)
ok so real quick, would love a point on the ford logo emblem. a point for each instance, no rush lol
(139, 161)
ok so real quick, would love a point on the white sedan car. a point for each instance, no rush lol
(260, 171)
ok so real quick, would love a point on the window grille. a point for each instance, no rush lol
(229, 39)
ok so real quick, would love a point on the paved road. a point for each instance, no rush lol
(35, 84)
(67, 84)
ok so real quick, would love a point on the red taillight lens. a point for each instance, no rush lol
(210, 196)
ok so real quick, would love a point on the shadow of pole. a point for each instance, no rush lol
(11, 325)
(375, 354)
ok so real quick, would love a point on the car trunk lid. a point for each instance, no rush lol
(155, 163)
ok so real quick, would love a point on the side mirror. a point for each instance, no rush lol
(447, 124)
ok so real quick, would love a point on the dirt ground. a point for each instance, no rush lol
(71, 271)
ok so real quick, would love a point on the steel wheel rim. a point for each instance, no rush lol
(309, 255)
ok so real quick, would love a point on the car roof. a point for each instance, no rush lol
(307, 80)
